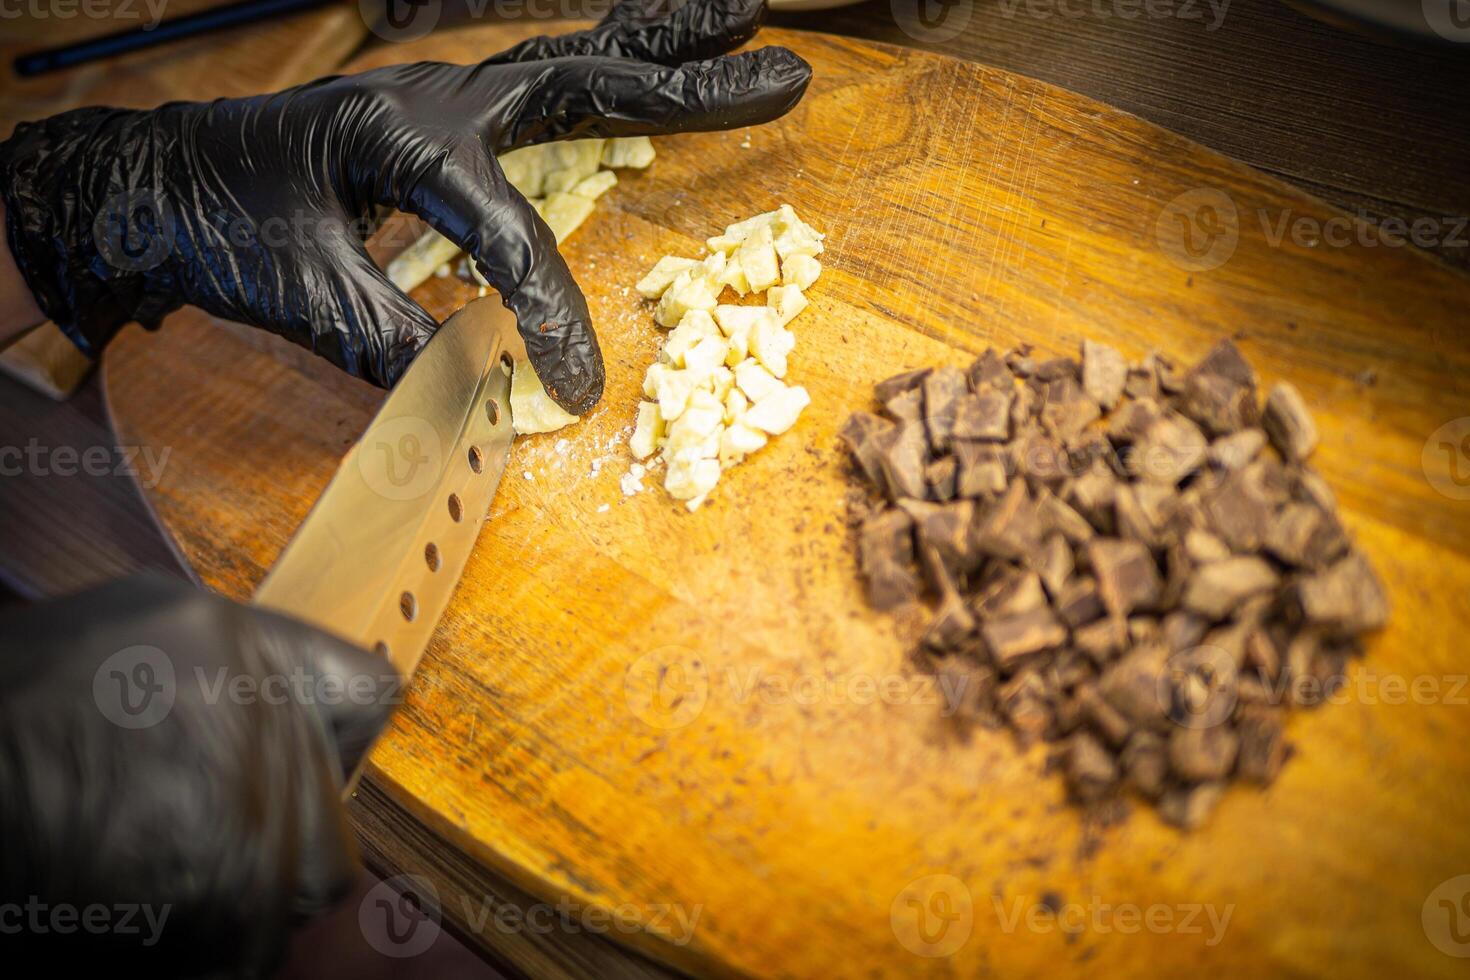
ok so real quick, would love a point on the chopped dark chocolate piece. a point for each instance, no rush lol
(1237, 511)
(1347, 597)
(862, 432)
(984, 415)
(1288, 423)
(1188, 807)
(1066, 410)
(1023, 701)
(1197, 754)
(1180, 630)
(1202, 546)
(1025, 403)
(1226, 361)
(1171, 449)
(1127, 577)
(1218, 404)
(1146, 763)
(1018, 636)
(905, 451)
(1038, 458)
(900, 383)
(1057, 367)
(943, 388)
(1079, 602)
(1057, 516)
(907, 406)
(982, 469)
(1144, 512)
(945, 527)
(1020, 361)
(1104, 373)
(952, 624)
(940, 475)
(1198, 688)
(1091, 769)
(1011, 592)
(1312, 489)
(1263, 746)
(1131, 685)
(1130, 420)
(1010, 528)
(1053, 563)
(990, 369)
(1103, 639)
(1305, 536)
(1143, 381)
(886, 546)
(1237, 449)
(1262, 654)
(1092, 495)
(1103, 717)
(1218, 587)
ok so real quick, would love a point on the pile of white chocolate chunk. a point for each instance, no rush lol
(716, 393)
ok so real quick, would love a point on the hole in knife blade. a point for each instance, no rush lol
(477, 459)
(381, 649)
(408, 606)
(507, 362)
(492, 411)
(456, 511)
(431, 555)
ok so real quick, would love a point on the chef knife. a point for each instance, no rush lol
(378, 557)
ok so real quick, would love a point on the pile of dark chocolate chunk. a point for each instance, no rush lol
(1130, 560)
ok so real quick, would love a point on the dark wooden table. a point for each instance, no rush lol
(1379, 127)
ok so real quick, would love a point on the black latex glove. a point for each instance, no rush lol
(256, 209)
(165, 749)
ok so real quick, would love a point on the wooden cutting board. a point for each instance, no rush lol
(628, 705)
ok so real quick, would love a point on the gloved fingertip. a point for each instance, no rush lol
(784, 68)
(569, 363)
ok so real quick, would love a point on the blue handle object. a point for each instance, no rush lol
(133, 39)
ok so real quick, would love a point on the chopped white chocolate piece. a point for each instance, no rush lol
(706, 355)
(755, 380)
(694, 327)
(597, 185)
(687, 480)
(561, 181)
(757, 258)
(731, 319)
(525, 169)
(738, 441)
(721, 380)
(628, 151)
(674, 389)
(737, 233)
(800, 271)
(417, 262)
(713, 266)
(531, 408)
(690, 432)
(787, 301)
(662, 275)
(651, 379)
(685, 293)
(581, 157)
(733, 276)
(770, 343)
(778, 411)
(646, 431)
(564, 213)
(735, 405)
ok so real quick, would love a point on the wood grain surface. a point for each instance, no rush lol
(638, 709)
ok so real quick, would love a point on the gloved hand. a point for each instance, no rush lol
(165, 750)
(256, 209)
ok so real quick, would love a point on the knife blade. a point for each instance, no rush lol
(379, 555)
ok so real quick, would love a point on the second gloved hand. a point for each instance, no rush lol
(256, 209)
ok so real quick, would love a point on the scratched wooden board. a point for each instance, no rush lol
(630, 705)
